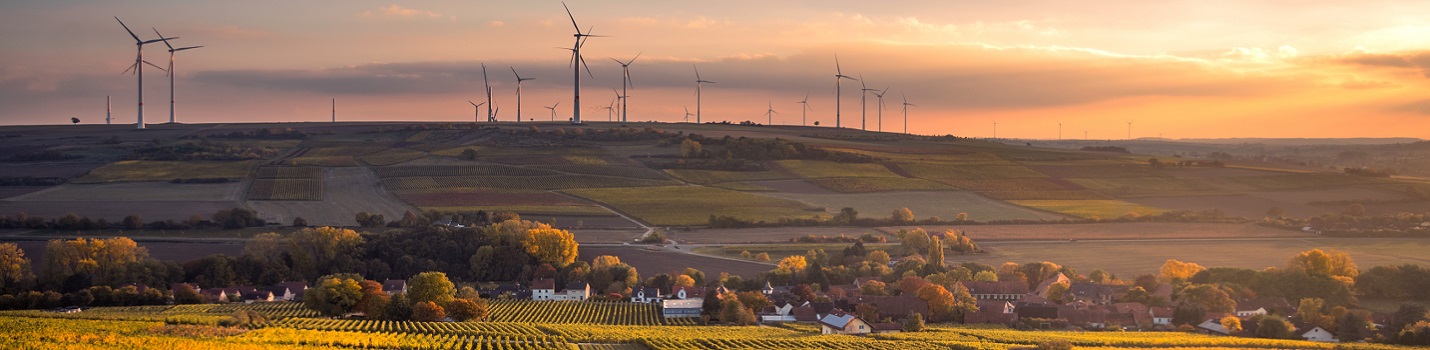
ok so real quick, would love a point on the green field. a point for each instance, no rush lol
(153, 170)
(693, 205)
(1091, 208)
(814, 169)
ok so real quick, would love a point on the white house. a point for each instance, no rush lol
(646, 295)
(1319, 334)
(1161, 316)
(575, 291)
(290, 291)
(392, 287)
(543, 289)
(838, 322)
(677, 308)
(781, 313)
(687, 293)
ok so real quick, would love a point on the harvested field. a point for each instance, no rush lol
(12, 191)
(1121, 230)
(152, 170)
(794, 186)
(813, 169)
(530, 210)
(778, 252)
(68, 170)
(348, 191)
(460, 170)
(1203, 173)
(136, 191)
(272, 172)
(743, 186)
(610, 170)
(1090, 208)
(116, 210)
(1142, 186)
(693, 205)
(175, 251)
(553, 182)
(1235, 205)
(606, 235)
(1128, 259)
(1384, 208)
(324, 161)
(942, 171)
(1096, 171)
(489, 197)
(286, 190)
(715, 176)
(1303, 181)
(944, 205)
(391, 156)
(653, 261)
(763, 235)
(866, 185)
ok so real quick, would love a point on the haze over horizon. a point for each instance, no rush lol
(1178, 69)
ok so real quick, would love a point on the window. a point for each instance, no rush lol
(861, 327)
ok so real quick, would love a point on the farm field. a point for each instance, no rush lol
(813, 169)
(714, 176)
(135, 191)
(348, 190)
(115, 211)
(1253, 205)
(1120, 231)
(650, 261)
(1131, 257)
(869, 184)
(763, 234)
(607, 235)
(781, 251)
(945, 205)
(286, 189)
(1094, 208)
(150, 170)
(949, 171)
(693, 205)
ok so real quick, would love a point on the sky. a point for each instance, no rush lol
(1168, 68)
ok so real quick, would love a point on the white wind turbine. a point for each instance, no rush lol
(519, 79)
(138, 66)
(553, 110)
(688, 114)
(576, 63)
(769, 113)
(863, 102)
(626, 81)
(170, 71)
(839, 92)
(610, 110)
(621, 101)
(804, 110)
(698, 83)
(476, 110)
(881, 107)
(906, 113)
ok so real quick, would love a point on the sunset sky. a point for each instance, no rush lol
(1178, 69)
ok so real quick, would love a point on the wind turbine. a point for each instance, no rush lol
(476, 110)
(622, 107)
(804, 110)
(138, 66)
(107, 110)
(995, 129)
(610, 109)
(491, 117)
(170, 71)
(838, 92)
(1129, 129)
(626, 80)
(863, 101)
(769, 113)
(698, 83)
(576, 73)
(553, 110)
(519, 79)
(1060, 130)
(881, 107)
(906, 113)
(687, 114)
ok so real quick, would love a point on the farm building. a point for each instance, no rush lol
(575, 291)
(392, 287)
(677, 308)
(996, 290)
(290, 291)
(543, 289)
(839, 322)
(1319, 334)
(646, 295)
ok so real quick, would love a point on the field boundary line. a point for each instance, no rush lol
(648, 228)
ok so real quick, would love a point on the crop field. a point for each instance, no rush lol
(1136, 256)
(653, 261)
(286, 190)
(813, 169)
(114, 211)
(610, 170)
(346, 191)
(134, 191)
(942, 171)
(1142, 186)
(457, 170)
(715, 176)
(1091, 208)
(536, 211)
(693, 205)
(867, 184)
(391, 156)
(945, 157)
(1112, 231)
(1097, 171)
(1303, 181)
(743, 186)
(152, 170)
(445, 198)
(945, 205)
(765, 234)
(322, 161)
(273, 172)
(780, 251)
(550, 182)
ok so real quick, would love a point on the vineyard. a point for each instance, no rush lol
(286, 190)
(579, 312)
(554, 182)
(865, 185)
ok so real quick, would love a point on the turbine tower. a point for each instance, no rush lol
(804, 110)
(108, 111)
(476, 110)
(138, 66)
(553, 110)
(688, 114)
(491, 117)
(881, 107)
(1129, 130)
(170, 71)
(839, 92)
(995, 129)
(906, 113)
(1060, 130)
(519, 79)
(698, 83)
(769, 113)
(610, 109)
(622, 99)
(576, 72)
(626, 81)
(863, 102)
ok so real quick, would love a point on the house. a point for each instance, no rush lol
(1087, 318)
(1213, 326)
(773, 291)
(290, 291)
(679, 308)
(992, 312)
(506, 290)
(646, 295)
(804, 313)
(779, 312)
(257, 296)
(1045, 287)
(1262, 306)
(1132, 315)
(996, 290)
(687, 293)
(543, 289)
(574, 291)
(1095, 293)
(895, 307)
(839, 322)
(1161, 316)
(392, 287)
(1319, 334)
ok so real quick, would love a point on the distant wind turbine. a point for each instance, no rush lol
(906, 113)
(881, 107)
(138, 66)
(170, 71)
(476, 110)
(491, 116)
(553, 110)
(1129, 130)
(995, 129)
(698, 83)
(839, 92)
(804, 110)
(610, 109)
(519, 79)
(1060, 130)
(108, 110)
(576, 63)
(863, 102)
(770, 112)
(621, 99)
(626, 81)
(688, 114)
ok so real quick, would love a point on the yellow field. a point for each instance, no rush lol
(153, 170)
(1090, 208)
(693, 205)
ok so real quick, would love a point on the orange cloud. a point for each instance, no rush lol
(395, 11)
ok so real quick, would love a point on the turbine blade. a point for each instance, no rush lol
(573, 17)
(628, 79)
(161, 37)
(513, 72)
(633, 59)
(155, 66)
(131, 67)
(588, 68)
(126, 28)
(188, 48)
(697, 73)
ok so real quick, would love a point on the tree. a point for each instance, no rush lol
(734, 312)
(1100, 276)
(902, 216)
(690, 148)
(15, 273)
(1316, 262)
(133, 222)
(427, 311)
(431, 286)
(1207, 297)
(754, 300)
(1407, 315)
(1354, 325)
(398, 308)
(1273, 327)
(366, 219)
(911, 284)
(1174, 271)
(940, 301)
(185, 294)
(867, 311)
(1057, 292)
(1231, 324)
(762, 257)
(792, 263)
(551, 245)
(467, 309)
(873, 288)
(683, 281)
(1309, 310)
(374, 301)
(935, 258)
(300, 222)
(985, 276)
(334, 294)
(915, 240)
(914, 323)
(103, 260)
(1355, 209)
(878, 257)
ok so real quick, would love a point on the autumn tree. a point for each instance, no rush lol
(792, 263)
(873, 288)
(101, 259)
(1268, 326)
(902, 216)
(467, 309)
(431, 286)
(551, 245)
(754, 300)
(15, 273)
(1174, 271)
(878, 257)
(1316, 262)
(690, 148)
(334, 294)
(985, 276)
(762, 257)
(914, 323)
(945, 305)
(683, 281)
(867, 311)
(428, 311)
(915, 240)
(1208, 297)
(732, 311)
(609, 274)
(373, 301)
(1231, 324)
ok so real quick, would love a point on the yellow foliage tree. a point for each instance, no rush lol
(550, 245)
(1325, 263)
(684, 281)
(793, 263)
(1176, 271)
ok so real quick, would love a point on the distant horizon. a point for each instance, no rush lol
(1184, 70)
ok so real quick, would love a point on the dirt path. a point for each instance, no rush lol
(346, 191)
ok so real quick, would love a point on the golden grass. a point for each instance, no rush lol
(1090, 208)
(153, 170)
(865, 185)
